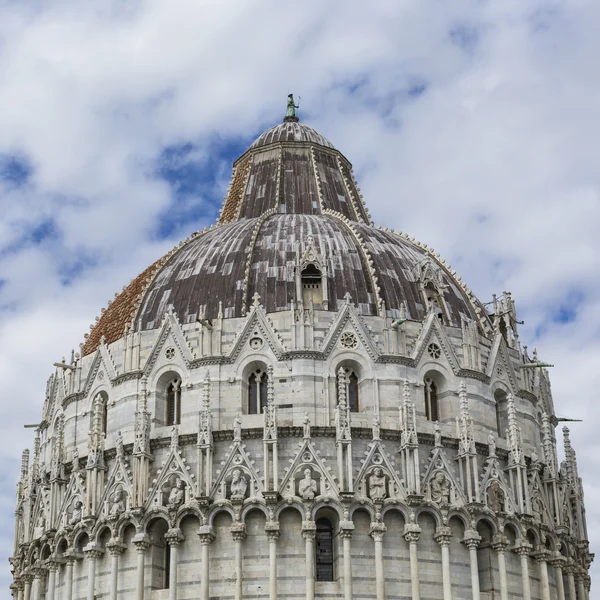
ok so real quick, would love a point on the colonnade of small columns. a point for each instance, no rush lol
(30, 585)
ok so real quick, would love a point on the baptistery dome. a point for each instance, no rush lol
(295, 404)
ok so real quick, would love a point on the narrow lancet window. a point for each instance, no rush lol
(312, 290)
(324, 550)
(174, 402)
(257, 392)
(431, 399)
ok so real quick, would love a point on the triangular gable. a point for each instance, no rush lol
(538, 498)
(377, 458)
(237, 459)
(75, 491)
(346, 319)
(102, 362)
(172, 468)
(307, 457)
(40, 513)
(257, 324)
(119, 477)
(499, 358)
(439, 463)
(492, 471)
(171, 333)
(433, 331)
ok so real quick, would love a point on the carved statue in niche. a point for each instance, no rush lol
(306, 426)
(440, 488)
(176, 495)
(377, 482)
(239, 485)
(237, 429)
(119, 446)
(537, 506)
(491, 445)
(40, 527)
(77, 513)
(307, 488)
(376, 427)
(118, 502)
(495, 497)
(437, 435)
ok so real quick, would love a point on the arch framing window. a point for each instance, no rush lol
(104, 412)
(431, 399)
(324, 551)
(174, 402)
(312, 285)
(257, 392)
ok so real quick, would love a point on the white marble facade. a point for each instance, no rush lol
(389, 458)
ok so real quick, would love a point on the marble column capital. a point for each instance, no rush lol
(174, 537)
(141, 542)
(27, 578)
(523, 549)
(309, 530)
(557, 560)
(471, 539)
(238, 531)
(115, 546)
(412, 532)
(443, 535)
(500, 543)
(346, 529)
(377, 530)
(272, 530)
(93, 551)
(206, 534)
(541, 554)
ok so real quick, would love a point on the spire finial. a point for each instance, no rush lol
(290, 114)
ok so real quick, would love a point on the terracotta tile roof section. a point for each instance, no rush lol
(120, 312)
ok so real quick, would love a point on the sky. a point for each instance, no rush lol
(472, 125)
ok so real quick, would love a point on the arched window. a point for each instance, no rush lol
(501, 412)
(174, 402)
(103, 406)
(312, 286)
(431, 399)
(324, 550)
(257, 392)
(105, 416)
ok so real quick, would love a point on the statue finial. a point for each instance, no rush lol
(290, 114)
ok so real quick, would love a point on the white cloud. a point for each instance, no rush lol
(494, 163)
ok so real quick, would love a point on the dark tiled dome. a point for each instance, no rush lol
(282, 197)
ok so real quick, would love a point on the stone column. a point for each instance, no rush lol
(142, 543)
(70, 558)
(472, 540)
(52, 569)
(173, 537)
(92, 553)
(499, 544)
(39, 575)
(523, 551)
(570, 571)
(346, 529)
(412, 532)
(20, 588)
(272, 531)
(238, 532)
(542, 556)
(115, 548)
(580, 579)
(28, 579)
(443, 536)
(309, 530)
(206, 535)
(376, 532)
(557, 562)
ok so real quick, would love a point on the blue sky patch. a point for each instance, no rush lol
(465, 36)
(15, 170)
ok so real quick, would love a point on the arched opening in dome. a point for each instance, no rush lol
(435, 302)
(312, 286)
(501, 412)
(324, 550)
(174, 402)
(257, 392)
(430, 391)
